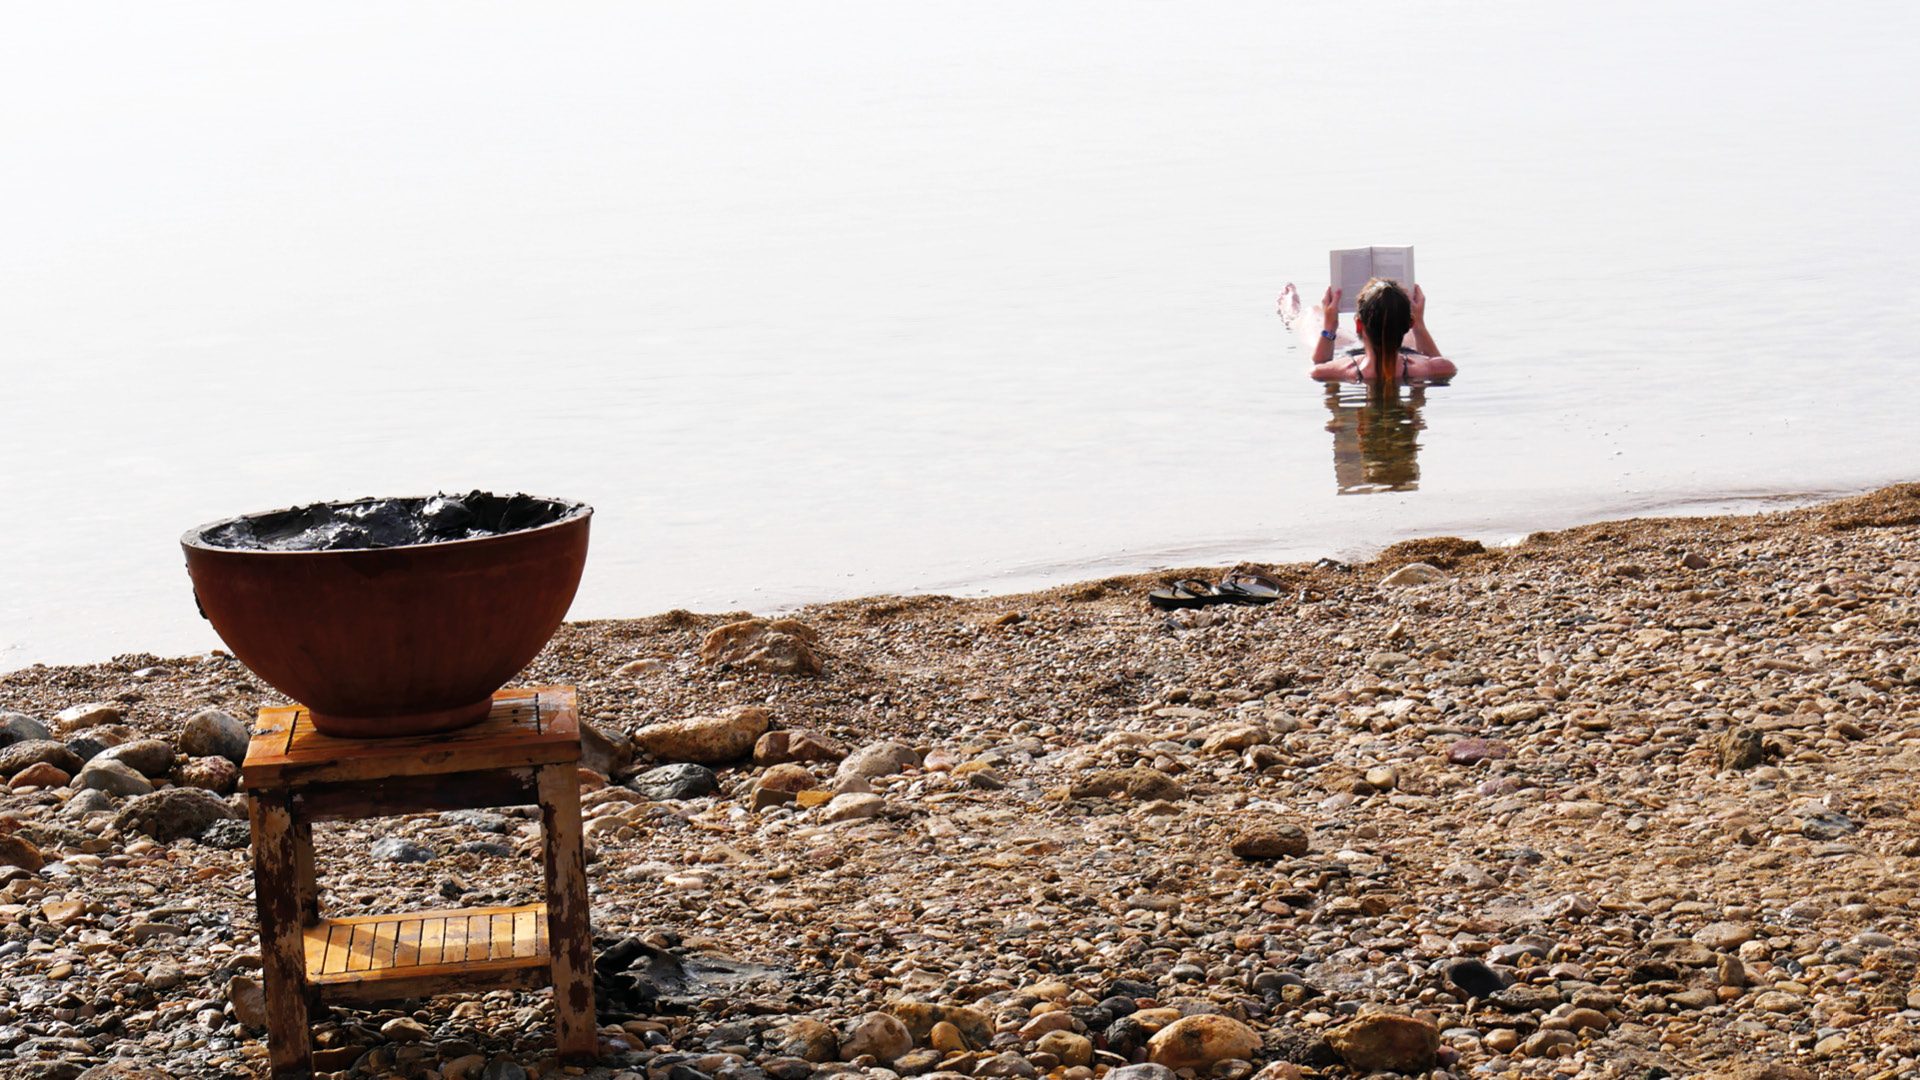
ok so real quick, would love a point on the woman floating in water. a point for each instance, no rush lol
(1393, 343)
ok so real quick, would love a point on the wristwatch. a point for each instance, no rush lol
(1326, 335)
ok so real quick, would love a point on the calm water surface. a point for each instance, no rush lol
(822, 300)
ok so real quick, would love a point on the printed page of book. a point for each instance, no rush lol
(1395, 263)
(1349, 269)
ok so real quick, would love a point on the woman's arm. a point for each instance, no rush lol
(1329, 321)
(1422, 341)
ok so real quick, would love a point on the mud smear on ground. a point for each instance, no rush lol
(387, 523)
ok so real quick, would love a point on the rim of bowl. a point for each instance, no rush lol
(196, 536)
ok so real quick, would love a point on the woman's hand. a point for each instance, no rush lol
(1419, 307)
(1330, 308)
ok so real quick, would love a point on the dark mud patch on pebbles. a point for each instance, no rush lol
(388, 523)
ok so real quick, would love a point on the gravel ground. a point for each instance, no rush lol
(1629, 800)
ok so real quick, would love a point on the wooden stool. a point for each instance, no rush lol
(527, 751)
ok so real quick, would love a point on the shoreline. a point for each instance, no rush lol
(1627, 796)
(1038, 577)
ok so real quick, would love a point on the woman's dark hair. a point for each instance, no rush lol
(1385, 314)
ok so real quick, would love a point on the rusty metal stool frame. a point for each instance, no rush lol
(527, 751)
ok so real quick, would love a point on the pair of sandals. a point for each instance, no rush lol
(1238, 587)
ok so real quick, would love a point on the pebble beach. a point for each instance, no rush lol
(1630, 800)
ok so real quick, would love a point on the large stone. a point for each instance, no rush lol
(1143, 1071)
(249, 1001)
(41, 775)
(215, 774)
(19, 727)
(972, 1025)
(1278, 841)
(151, 758)
(173, 813)
(1072, 1049)
(20, 852)
(878, 759)
(779, 784)
(116, 778)
(1742, 748)
(1386, 1041)
(1138, 782)
(91, 714)
(796, 744)
(1414, 574)
(1198, 1042)
(399, 849)
(778, 647)
(212, 733)
(806, 1039)
(674, 782)
(605, 752)
(878, 1034)
(852, 806)
(706, 740)
(34, 751)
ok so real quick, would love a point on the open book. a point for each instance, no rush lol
(1354, 267)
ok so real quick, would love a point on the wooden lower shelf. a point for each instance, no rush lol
(374, 957)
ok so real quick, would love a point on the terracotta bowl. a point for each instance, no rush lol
(390, 641)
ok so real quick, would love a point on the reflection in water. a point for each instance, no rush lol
(1376, 442)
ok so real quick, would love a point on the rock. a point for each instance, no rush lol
(852, 807)
(1722, 936)
(1822, 824)
(1277, 841)
(398, 849)
(671, 783)
(1008, 1064)
(1382, 778)
(1475, 751)
(151, 758)
(878, 1034)
(91, 743)
(464, 1067)
(503, 1069)
(173, 813)
(946, 1038)
(113, 777)
(126, 1070)
(1138, 782)
(778, 785)
(19, 851)
(1413, 574)
(705, 740)
(1146, 1071)
(19, 727)
(806, 1039)
(249, 1002)
(1549, 1043)
(87, 802)
(41, 775)
(91, 714)
(215, 774)
(1475, 979)
(1518, 712)
(973, 1027)
(1072, 1049)
(796, 744)
(777, 647)
(607, 753)
(404, 1029)
(229, 835)
(1742, 748)
(1198, 1042)
(212, 733)
(878, 759)
(36, 751)
(1693, 560)
(1385, 1041)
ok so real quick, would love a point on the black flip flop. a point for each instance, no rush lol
(1188, 593)
(1251, 587)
